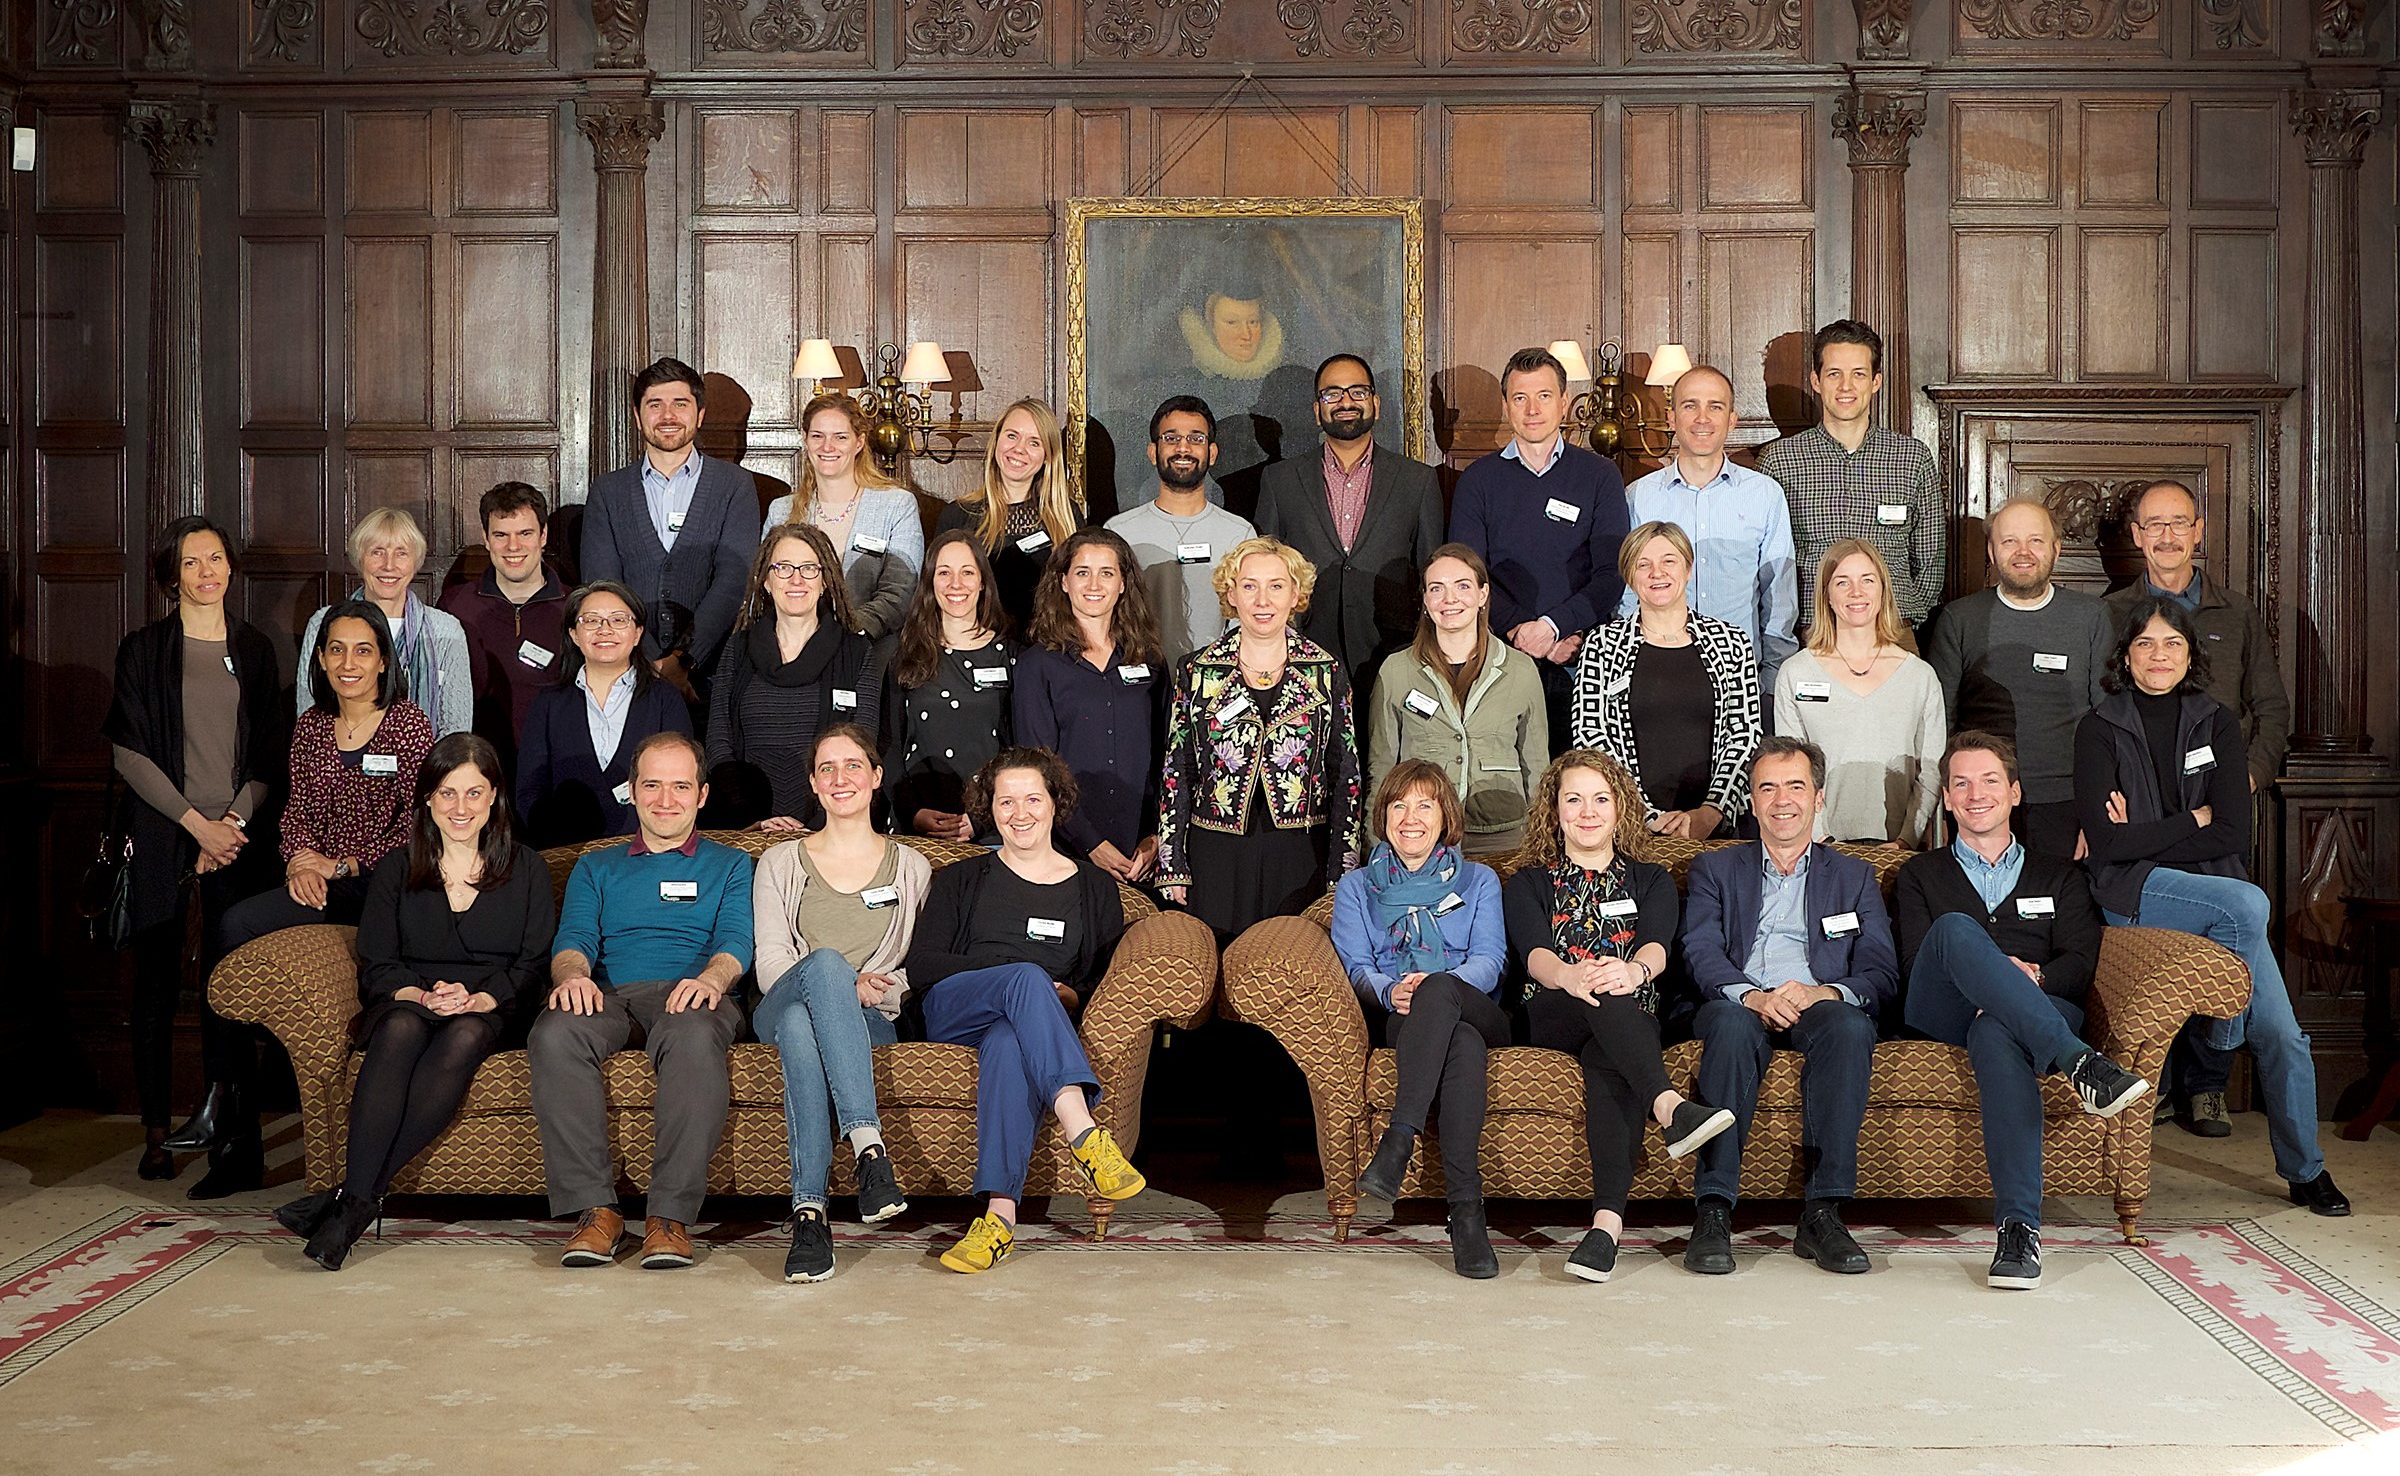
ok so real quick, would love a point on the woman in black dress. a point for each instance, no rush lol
(947, 707)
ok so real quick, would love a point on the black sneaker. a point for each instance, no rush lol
(1471, 1243)
(2321, 1197)
(1824, 1239)
(1595, 1259)
(1390, 1165)
(2105, 1087)
(2017, 1264)
(879, 1196)
(811, 1255)
(1694, 1123)
(1710, 1252)
(2203, 1116)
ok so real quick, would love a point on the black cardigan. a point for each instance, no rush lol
(944, 927)
(565, 795)
(500, 946)
(1526, 901)
(2065, 944)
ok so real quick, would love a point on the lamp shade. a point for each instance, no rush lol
(816, 360)
(1668, 363)
(924, 364)
(1569, 354)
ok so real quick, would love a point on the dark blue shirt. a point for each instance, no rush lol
(1107, 724)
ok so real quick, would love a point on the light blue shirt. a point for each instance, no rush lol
(606, 718)
(1744, 570)
(1558, 448)
(670, 497)
(1780, 951)
(1992, 880)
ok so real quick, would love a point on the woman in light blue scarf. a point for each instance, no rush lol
(388, 549)
(1419, 929)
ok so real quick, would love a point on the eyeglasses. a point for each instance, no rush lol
(808, 570)
(1356, 394)
(614, 620)
(2169, 525)
(1197, 440)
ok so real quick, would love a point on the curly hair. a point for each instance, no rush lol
(1229, 572)
(1546, 846)
(1056, 777)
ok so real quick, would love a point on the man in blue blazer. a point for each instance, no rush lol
(1789, 944)
(677, 527)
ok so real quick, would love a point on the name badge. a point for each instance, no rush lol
(1891, 514)
(382, 765)
(1191, 553)
(2036, 907)
(1621, 685)
(623, 793)
(1563, 512)
(866, 545)
(1132, 674)
(1034, 540)
(1045, 928)
(1813, 691)
(990, 676)
(229, 671)
(2200, 759)
(675, 521)
(683, 891)
(1420, 704)
(1841, 925)
(880, 897)
(1448, 905)
(535, 656)
(2048, 661)
(1234, 709)
(1620, 907)
(844, 700)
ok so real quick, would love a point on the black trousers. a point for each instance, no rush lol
(1444, 1043)
(158, 978)
(417, 1070)
(1616, 1042)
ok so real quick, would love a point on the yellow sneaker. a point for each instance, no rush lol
(988, 1243)
(1105, 1167)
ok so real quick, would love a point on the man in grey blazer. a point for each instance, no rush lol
(677, 527)
(1367, 517)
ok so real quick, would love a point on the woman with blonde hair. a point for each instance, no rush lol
(1859, 691)
(1590, 922)
(387, 548)
(871, 519)
(1027, 507)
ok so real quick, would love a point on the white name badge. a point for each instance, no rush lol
(1448, 905)
(1191, 553)
(675, 521)
(990, 676)
(1131, 674)
(535, 656)
(1813, 691)
(866, 545)
(686, 891)
(229, 671)
(1420, 704)
(2036, 907)
(2049, 661)
(381, 765)
(2202, 758)
(1234, 709)
(623, 793)
(1564, 512)
(1621, 685)
(1048, 928)
(1891, 514)
(880, 896)
(1033, 541)
(1620, 907)
(844, 700)
(1841, 925)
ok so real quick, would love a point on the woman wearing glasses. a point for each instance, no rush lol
(571, 758)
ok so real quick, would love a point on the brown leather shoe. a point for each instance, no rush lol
(666, 1245)
(594, 1242)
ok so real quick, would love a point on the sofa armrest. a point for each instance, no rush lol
(1164, 972)
(2151, 980)
(1283, 976)
(300, 983)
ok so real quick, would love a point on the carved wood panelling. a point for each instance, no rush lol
(1674, 29)
(2060, 28)
(1351, 29)
(746, 32)
(1884, 27)
(1528, 29)
(2233, 25)
(617, 27)
(1127, 30)
(973, 30)
(89, 33)
(165, 29)
(450, 32)
(284, 33)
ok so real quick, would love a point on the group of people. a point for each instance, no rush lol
(1198, 702)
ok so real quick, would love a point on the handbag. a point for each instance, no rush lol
(107, 897)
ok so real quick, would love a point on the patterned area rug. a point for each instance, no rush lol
(190, 1342)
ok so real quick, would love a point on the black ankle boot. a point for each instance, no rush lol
(157, 1162)
(206, 1125)
(235, 1166)
(1390, 1164)
(342, 1226)
(1471, 1242)
(302, 1216)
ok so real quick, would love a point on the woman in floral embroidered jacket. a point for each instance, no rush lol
(1259, 804)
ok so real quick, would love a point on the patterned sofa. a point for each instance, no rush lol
(1923, 1132)
(303, 985)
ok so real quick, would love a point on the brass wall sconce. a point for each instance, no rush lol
(1611, 410)
(897, 405)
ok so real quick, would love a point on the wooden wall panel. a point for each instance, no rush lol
(1523, 156)
(1756, 292)
(1651, 158)
(389, 162)
(79, 499)
(396, 478)
(2004, 296)
(504, 163)
(2121, 154)
(2236, 147)
(504, 372)
(82, 163)
(988, 299)
(79, 619)
(846, 161)
(985, 160)
(1503, 293)
(79, 344)
(2122, 330)
(2234, 273)
(748, 161)
(1248, 152)
(2004, 153)
(1103, 152)
(283, 503)
(750, 318)
(1757, 157)
(282, 162)
(390, 310)
(283, 336)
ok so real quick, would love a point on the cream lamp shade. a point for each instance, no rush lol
(1569, 354)
(1668, 363)
(925, 364)
(816, 360)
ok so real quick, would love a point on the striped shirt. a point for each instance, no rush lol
(1885, 492)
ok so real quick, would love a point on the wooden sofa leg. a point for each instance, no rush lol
(1344, 1207)
(2129, 1214)
(1101, 1210)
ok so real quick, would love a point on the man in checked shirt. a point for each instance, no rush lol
(1847, 478)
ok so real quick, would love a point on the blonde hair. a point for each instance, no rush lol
(1055, 494)
(1229, 571)
(1630, 550)
(1890, 629)
(386, 525)
(1546, 847)
(862, 462)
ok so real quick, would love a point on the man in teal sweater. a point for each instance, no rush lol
(652, 934)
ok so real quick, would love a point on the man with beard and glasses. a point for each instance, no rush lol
(1178, 536)
(1367, 517)
(677, 527)
(2022, 660)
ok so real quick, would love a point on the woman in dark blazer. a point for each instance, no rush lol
(607, 694)
(196, 730)
(453, 948)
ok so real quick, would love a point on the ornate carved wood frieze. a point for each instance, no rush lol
(621, 132)
(2341, 27)
(1878, 127)
(1684, 26)
(282, 30)
(2333, 124)
(2236, 25)
(2058, 20)
(1515, 26)
(2088, 510)
(784, 27)
(1151, 28)
(1883, 29)
(1348, 28)
(174, 136)
(619, 24)
(971, 28)
(453, 28)
(166, 34)
(79, 30)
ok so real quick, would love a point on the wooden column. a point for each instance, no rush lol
(1878, 127)
(176, 135)
(621, 130)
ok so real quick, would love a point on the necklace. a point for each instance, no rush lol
(1872, 657)
(351, 730)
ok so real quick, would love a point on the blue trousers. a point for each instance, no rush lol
(1026, 1053)
(813, 1019)
(1838, 1039)
(2233, 912)
(1964, 991)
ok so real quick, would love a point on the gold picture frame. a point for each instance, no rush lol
(1142, 287)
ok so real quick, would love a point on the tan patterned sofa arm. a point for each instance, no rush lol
(1165, 972)
(1284, 977)
(2153, 979)
(300, 983)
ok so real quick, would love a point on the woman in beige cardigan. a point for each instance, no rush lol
(833, 913)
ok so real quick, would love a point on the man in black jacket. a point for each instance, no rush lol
(1998, 945)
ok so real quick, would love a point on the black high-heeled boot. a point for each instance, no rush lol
(235, 1166)
(206, 1125)
(302, 1216)
(157, 1162)
(341, 1228)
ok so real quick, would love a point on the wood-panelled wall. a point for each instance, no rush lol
(2098, 230)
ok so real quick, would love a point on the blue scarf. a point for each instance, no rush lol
(1404, 901)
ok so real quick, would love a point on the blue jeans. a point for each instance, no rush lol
(813, 1019)
(2232, 912)
(1836, 1040)
(1026, 1053)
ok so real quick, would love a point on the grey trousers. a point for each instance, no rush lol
(567, 1054)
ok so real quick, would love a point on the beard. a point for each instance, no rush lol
(2024, 591)
(1182, 475)
(1344, 429)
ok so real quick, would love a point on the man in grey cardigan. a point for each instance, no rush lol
(677, 527)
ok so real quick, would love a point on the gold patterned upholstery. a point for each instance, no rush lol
(1923, 1133)
(302, 984)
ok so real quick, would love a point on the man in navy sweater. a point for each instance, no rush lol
(1789, 945)
(654, 933)
(1547, 517)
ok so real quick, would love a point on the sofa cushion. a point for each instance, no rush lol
(911, 1074)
